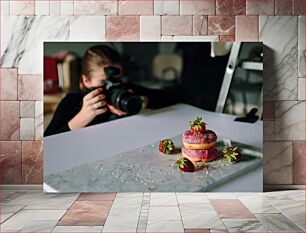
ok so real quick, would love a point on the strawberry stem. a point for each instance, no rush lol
(231, 153)
(197, 123)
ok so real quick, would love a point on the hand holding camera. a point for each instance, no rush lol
(112, 95)
(94, 104)
(120, 100)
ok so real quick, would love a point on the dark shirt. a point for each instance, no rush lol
(71, 104)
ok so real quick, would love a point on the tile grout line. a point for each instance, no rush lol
(67, 209)
(143, 216)
(282, 212)
(13, 194)
(217, 213)
(14, 213)
(289, 220)
(221, 219)
(178, 205)
(108, 211)
(54, 226)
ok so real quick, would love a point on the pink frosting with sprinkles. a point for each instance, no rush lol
(200, 154)
(207, 137)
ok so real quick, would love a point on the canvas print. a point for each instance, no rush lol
(153, 116)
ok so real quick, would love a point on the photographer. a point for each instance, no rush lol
(77, 110)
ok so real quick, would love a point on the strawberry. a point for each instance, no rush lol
(185, 165)
(232, 154)
(198, 125)
(166, 146)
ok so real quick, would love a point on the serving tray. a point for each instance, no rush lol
(147, 170)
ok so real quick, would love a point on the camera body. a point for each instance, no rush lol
(117, 94)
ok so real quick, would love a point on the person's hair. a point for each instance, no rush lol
(96, 56)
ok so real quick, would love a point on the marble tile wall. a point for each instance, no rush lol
(32, 162)
(280, 24)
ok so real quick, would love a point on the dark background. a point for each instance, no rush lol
(198, 83)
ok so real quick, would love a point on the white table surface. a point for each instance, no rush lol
(70, 149)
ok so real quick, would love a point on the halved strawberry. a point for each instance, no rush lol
(166, 146)
(232, 154)
(198, 125)
(185, 165)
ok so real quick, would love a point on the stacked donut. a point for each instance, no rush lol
(199, 143)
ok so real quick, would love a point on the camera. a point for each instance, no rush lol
(117, 94)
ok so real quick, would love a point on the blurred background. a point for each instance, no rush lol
(221, 77)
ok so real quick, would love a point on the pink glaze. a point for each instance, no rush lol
(207, 137)
(200, 154)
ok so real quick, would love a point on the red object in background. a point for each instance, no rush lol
(50, 75)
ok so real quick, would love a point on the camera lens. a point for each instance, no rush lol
(130, 103)
(124, 100)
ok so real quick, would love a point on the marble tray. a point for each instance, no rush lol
(147, 170)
